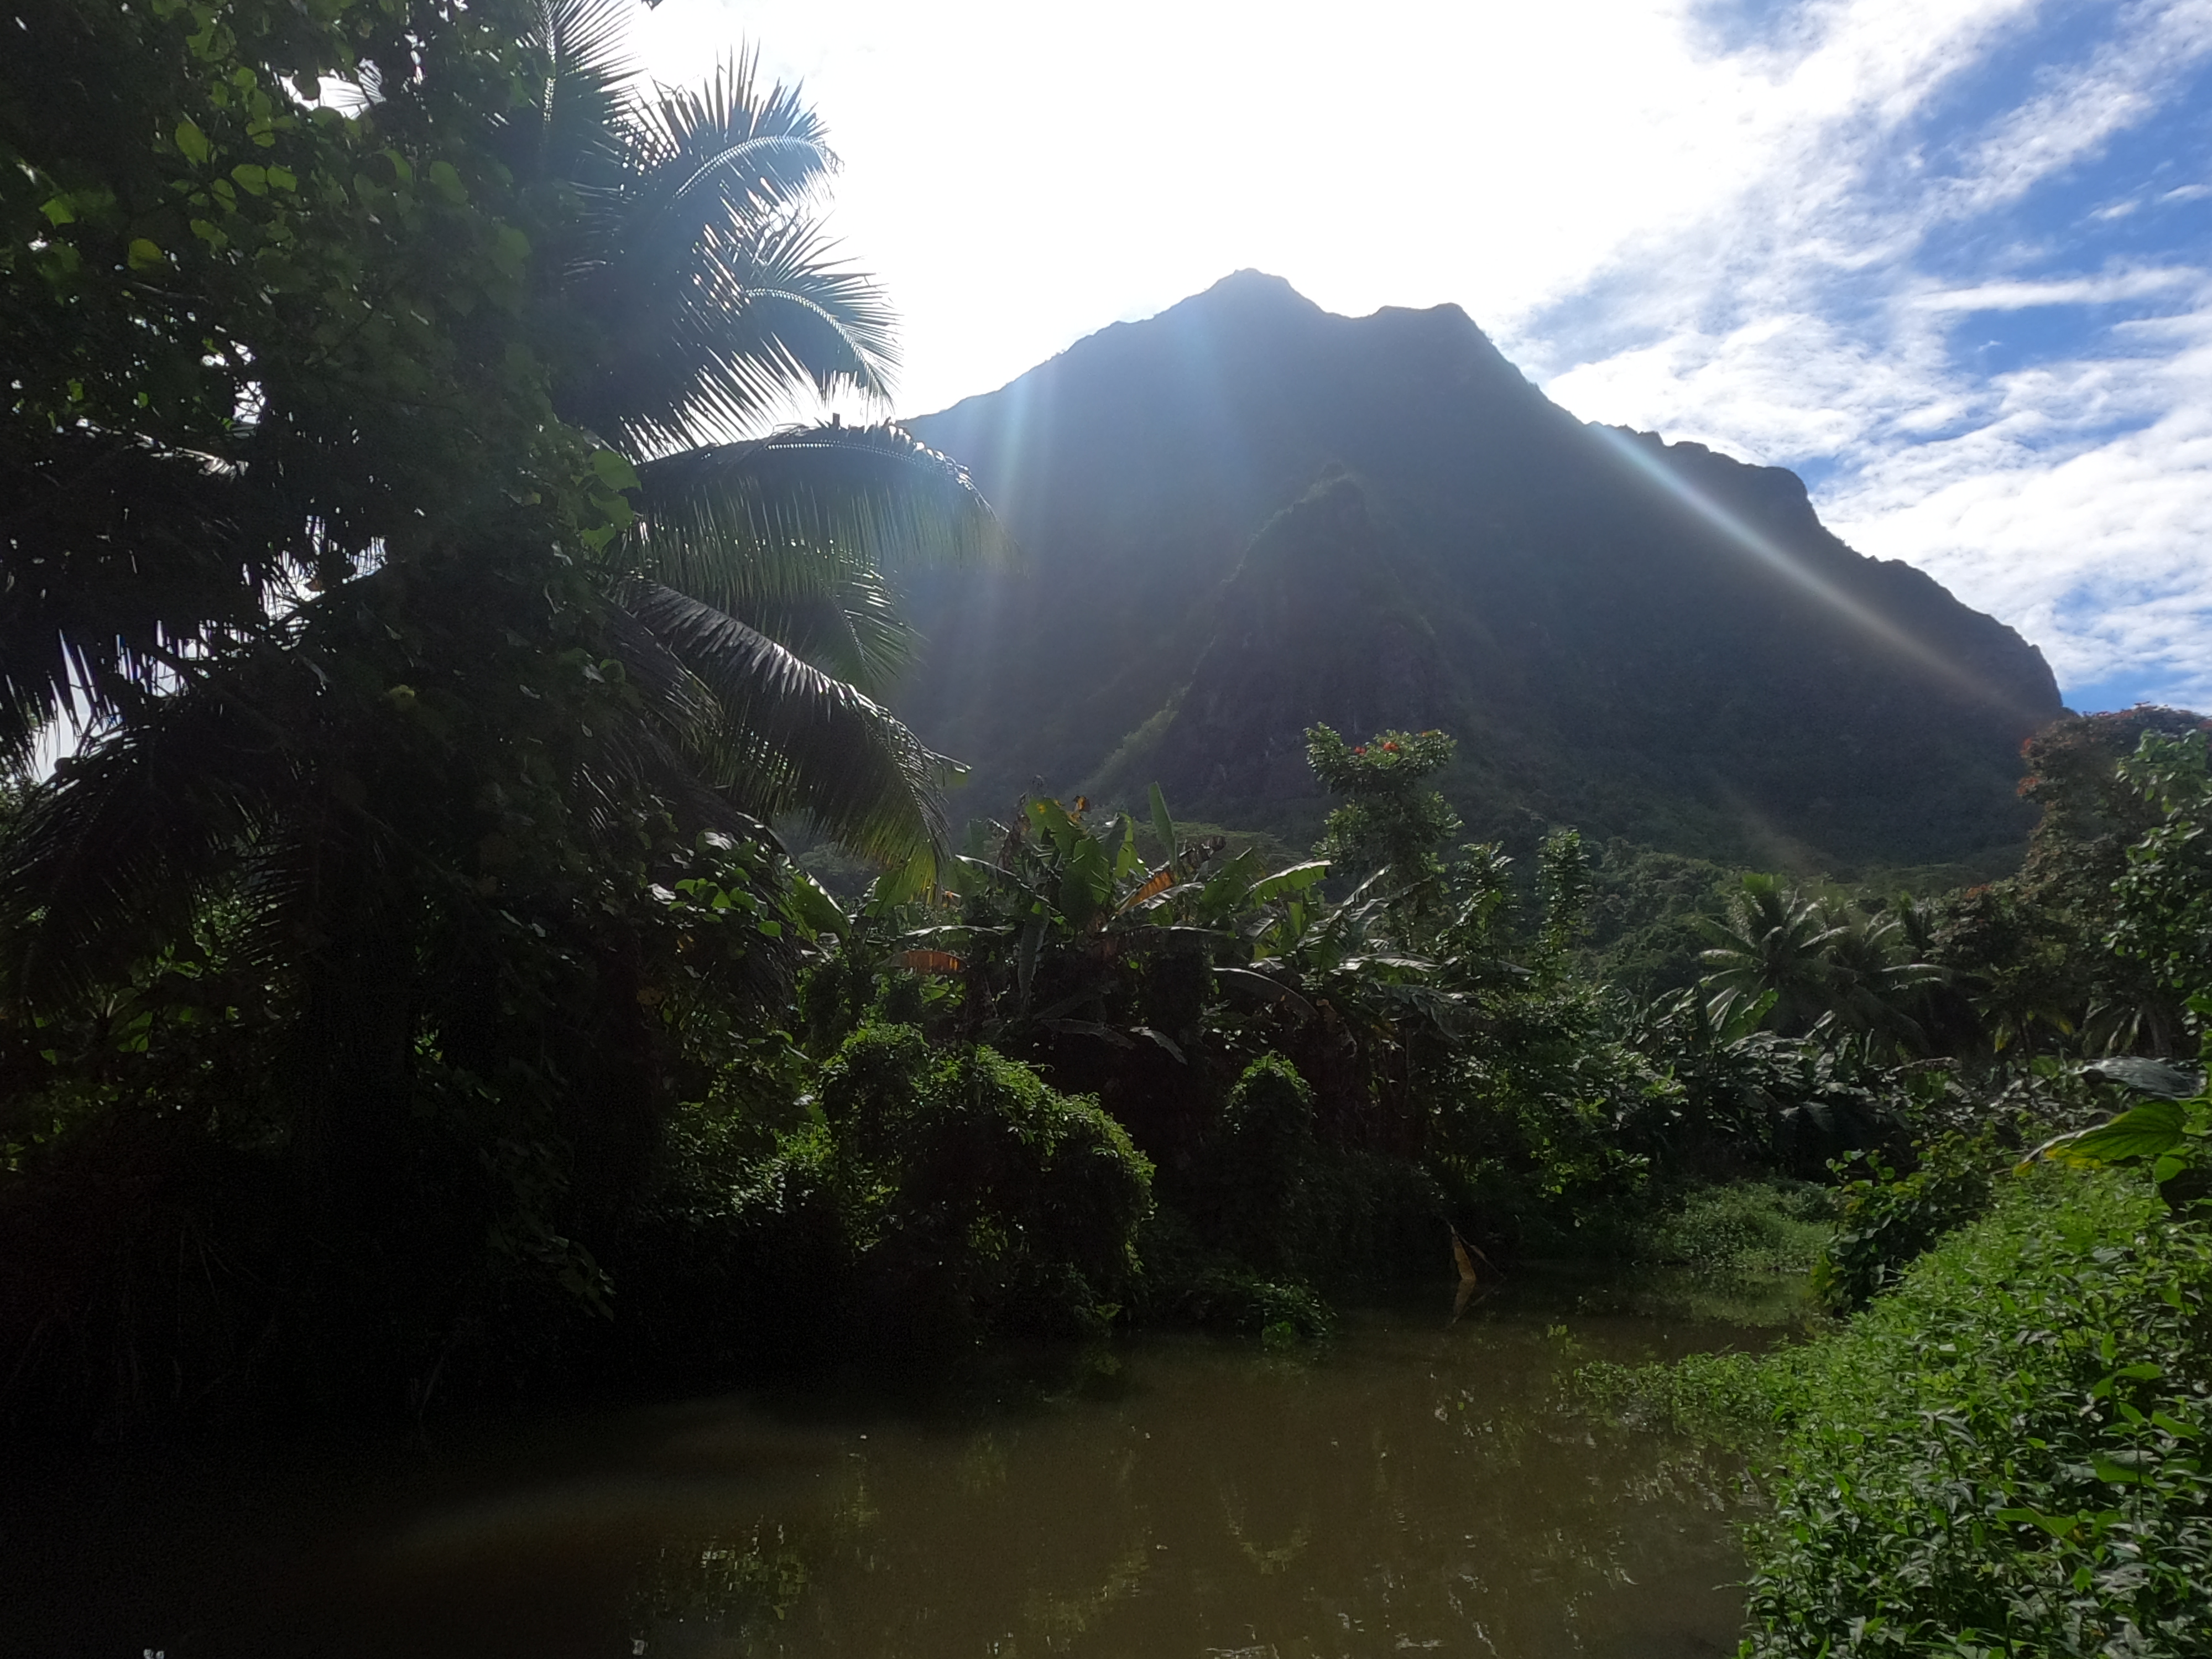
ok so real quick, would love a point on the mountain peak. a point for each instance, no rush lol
(1241, 301)
(1645, 639)
(1250, 286)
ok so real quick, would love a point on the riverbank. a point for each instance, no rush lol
(2003, 1454)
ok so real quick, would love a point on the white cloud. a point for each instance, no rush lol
(2077, 291)
(2081, 107)
(1021, 174)
(2097, 542)
(2071, 496)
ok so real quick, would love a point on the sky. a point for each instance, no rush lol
(1950, 260)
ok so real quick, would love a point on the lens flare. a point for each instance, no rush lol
(1756, 544)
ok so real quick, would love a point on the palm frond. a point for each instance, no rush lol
(792, 738)
(116, 555)
(658, 756)
(573, 126)
(796, 518)
(726, 145)
(713, 347)
(109, 858)
(857, 633)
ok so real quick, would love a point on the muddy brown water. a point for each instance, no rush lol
(1411, 1488)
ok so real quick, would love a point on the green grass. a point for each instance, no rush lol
(1746, 1228)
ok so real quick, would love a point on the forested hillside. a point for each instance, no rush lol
(1247, 515)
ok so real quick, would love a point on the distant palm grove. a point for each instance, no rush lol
(474, 929)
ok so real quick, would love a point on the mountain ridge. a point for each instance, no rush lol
(1249, 503)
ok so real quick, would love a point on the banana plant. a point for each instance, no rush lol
(1053, 916)
(2169, 1129)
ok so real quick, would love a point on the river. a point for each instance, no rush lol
(1411, 1487)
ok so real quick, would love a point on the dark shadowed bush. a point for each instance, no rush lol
(977, 1198)
(1251, 1196)
(1271, 1192)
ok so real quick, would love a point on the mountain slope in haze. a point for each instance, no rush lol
(1247, 515)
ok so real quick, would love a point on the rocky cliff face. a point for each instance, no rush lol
(1247, 515)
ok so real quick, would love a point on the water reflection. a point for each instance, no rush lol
(1413, 1489)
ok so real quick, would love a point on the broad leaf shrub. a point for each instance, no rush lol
(923, 1199)
(2003, 1454)
(1886, 1221)
(977, 1198)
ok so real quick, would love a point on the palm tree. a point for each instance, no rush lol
(1775, 946)
(1806, 968)
(692, 293)
(759, 563)
(684, 291)
(1877, 979)
(343, 771)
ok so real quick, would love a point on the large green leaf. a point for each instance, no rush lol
(1164, 827)
(1086, 881)
(2150, 1130)
(1296, 879)
(813, 908)
(2157, 1078)
(908, 880)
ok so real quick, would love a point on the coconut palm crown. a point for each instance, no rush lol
(690, 294)
(682, 297)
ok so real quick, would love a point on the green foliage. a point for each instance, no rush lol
(1753, 1100)
(2170, 1133)
(1262, 1153)
(413, 862)
(255, 340)
(1747, 1227)
(1821, 968)
(1563, 892)
(2165, 895)
(1190, 1282)
(1726, 1397)
(182, 1236)
(977, 1197)
(1312, 1078)
(1646, 916)
(1390, 823)
(1266, 1191)
(2035, 953)
(2003, 1454)
(901, 1203)
(1886, 1221)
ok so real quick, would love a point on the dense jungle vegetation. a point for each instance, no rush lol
(406, 1004)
